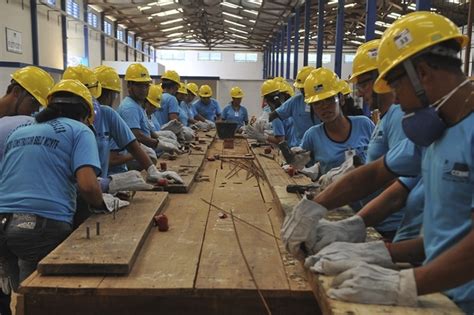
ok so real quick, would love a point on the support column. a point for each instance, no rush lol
(34, 32)
(64, 33)
(370, 17)
(125, 34)
(86, 32)
(423, 5)
(116, 43)
(297, 40)
(307, 16)
(319, 48)
(339, 37)
(102, 36)
(282, 57)
(277, 65)
(288, 48)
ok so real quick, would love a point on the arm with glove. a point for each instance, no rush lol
(153, 175)
(174, 126)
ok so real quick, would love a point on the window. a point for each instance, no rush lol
(145, 48)
(170, 55)
(92, 19)
(209, 56)
(120, 34)
(326, 58)
(51, 2)
(130, 39)
(348, 58)
(72, 8)
(108, 28)
(245, 57)
(312, 58)
(139, 44)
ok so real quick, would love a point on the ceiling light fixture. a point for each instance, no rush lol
(234, 23)
(231, 5)
(172, 28)
(237, 30)
(171, 21)
(233, 15)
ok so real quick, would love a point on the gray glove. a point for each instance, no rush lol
(350, 230)
(339, 257)
(202, 125)
(131, 180)
(165, 146)
(301, 158)
(169, 140)
(312, 172)
(371, 284)
(173, 125)
(166, 134)
(113, 203)
(149, 151)
(336, 173)
(252, 132)
(211, 124)
(188, 134)
(171, 176)
(298, 225)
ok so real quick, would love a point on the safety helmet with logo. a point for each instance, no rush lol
(205, 91)
(108, 78)
(182, 88)
(35, 81)
(285, 87)
(154, 95)
(172, 76)
(279, 79)
(193, 88)
(321, 84)
(236, 92)
(137, 73)
(86, 76)
(365, 59)
(77, 88)
(303, 73)
(410, 36)
(269, 86)
(345, 88)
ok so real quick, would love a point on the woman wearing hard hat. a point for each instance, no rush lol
(234, 111)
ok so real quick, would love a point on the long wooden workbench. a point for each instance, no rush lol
(221, 255)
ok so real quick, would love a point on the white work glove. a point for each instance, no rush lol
(128, 181)
(188, 134)
(169, 140)
(252, 132)
(165, 146)
(340, 256)
(371, 284)
(152, 174)
(173, 125)
(113, 203)
(149, 151)
(351, 230)
(336, 173)
(173, 177)
(202, 125)
(312, 172)
(4, 278)
(298, 224)
(211, 124)
(301, 157)
(165, 134)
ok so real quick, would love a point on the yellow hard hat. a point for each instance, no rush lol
(86, 76)
(154, 95)
(279, 79)
(34, 80)
(75, 87)
(303, 73)
(285, 87)
(269, 86)
(171, 75)
(193, 87)
(344, 86)
(205, 91)
(108, 78)
(321, 84)
(410, 35)
(182, 88)
(137, 73)
(365, 59)
(236, 92)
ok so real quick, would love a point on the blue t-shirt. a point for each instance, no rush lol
(209, 111)
(447, 168)
(191, 112)
(169, 105)
(285, 128)
(240, 116)
(183, 114)
(39, 167)
(296, 108)
(110, 127)
(134, 115)
(388, 132)
(330, 153)
(8, 124)
(410, 225)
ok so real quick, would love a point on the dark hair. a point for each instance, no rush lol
(12, 84)
(168, 84)
(449, 61)
(105, 94)
(76, 111)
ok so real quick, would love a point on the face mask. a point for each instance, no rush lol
(424, 126)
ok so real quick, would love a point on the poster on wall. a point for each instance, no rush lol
(13, 41)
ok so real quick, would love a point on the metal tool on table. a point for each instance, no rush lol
(285, 150)
(301, 189)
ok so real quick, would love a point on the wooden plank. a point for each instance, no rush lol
(113, 251)
(188, 167)
(429, 304)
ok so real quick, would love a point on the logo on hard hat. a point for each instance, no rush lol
(143, 74)
(318, 88)
(372, 53)
(403, 39)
